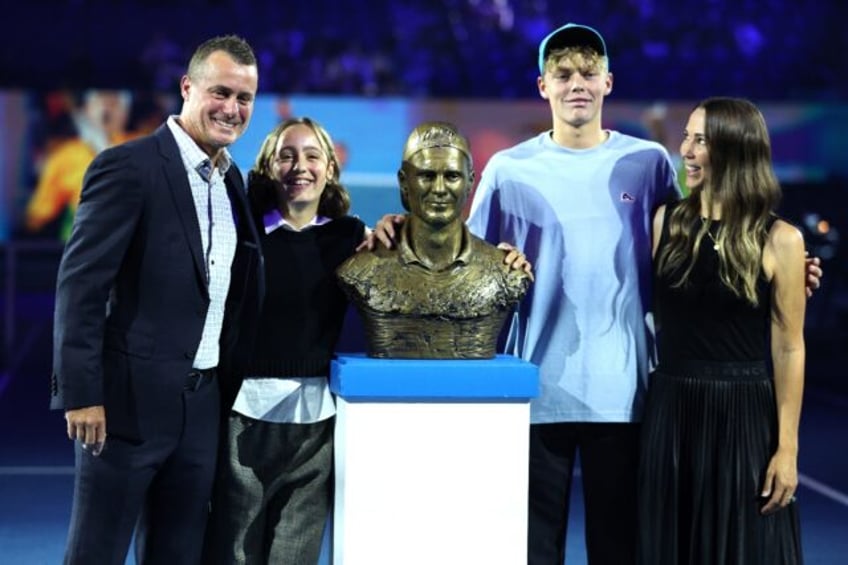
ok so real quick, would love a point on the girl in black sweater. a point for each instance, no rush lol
(274, 485)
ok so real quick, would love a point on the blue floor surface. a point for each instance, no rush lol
(36, 484)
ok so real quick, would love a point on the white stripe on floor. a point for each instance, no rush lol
(823, 489)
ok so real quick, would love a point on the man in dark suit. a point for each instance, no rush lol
(151, 281)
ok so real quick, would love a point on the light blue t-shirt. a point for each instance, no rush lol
(583, 218)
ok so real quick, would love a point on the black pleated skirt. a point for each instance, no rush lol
(708, 434)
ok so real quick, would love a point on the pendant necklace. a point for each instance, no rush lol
(716, 246)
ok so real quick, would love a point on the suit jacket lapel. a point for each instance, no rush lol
(235, 191)
(180, 188)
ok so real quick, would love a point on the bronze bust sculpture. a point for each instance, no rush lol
(440, 292)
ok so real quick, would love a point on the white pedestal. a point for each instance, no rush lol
(431, 461)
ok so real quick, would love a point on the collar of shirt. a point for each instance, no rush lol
(407, 255)
(193, 156)
(274, 219)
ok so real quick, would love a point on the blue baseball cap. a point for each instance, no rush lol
(571, 35)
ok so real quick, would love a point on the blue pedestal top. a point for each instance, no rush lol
(357, 377)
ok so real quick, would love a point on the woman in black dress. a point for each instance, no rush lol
(718, 468)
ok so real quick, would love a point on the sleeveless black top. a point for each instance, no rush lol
(703, 320)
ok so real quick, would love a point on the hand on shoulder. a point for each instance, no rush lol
(384, 232)
(516, 260)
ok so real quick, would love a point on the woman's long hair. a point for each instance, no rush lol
(742, 182)
(263, 186)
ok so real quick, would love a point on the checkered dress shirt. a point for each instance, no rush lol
(217, 233)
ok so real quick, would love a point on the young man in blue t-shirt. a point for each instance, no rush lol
(578, 200)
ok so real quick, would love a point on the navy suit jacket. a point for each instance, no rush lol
(131, 294)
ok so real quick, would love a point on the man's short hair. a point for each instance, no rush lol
(233, 45)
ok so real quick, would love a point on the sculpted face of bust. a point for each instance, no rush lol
(440, 292)
(435, 183)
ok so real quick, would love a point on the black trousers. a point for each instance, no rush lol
(609, 461)
(160, 486)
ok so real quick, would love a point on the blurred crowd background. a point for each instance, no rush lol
(660, 49)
